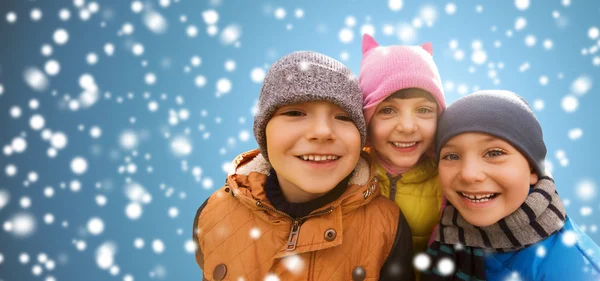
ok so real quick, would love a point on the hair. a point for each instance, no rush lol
(405, 94)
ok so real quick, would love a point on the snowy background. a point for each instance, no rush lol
(118, 118)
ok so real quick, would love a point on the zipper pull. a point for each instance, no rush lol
(293, 239)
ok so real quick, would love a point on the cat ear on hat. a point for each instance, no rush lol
(368, 43)
(427, 47)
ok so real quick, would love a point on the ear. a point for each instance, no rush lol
(368, 43)
(533, 177)
(428, 47)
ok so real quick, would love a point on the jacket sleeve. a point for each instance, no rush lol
(199, 254)
(398, 265)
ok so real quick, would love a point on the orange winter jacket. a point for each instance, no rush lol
(359, 236)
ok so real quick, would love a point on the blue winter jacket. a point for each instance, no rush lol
(568, 254)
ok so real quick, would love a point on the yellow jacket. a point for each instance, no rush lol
(419, 195)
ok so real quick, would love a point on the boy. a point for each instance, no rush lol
(504, 220)
(306, 205)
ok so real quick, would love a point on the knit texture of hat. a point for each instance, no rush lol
(385, 70)
(306, 77)
(502, 114)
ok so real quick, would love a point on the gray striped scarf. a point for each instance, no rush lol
(541, 215)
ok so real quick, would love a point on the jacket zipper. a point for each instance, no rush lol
(311, 267)
(296, 223)
(393, 182)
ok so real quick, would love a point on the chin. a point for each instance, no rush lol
(481, 223)
(405, 162)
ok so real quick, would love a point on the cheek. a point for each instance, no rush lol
(428, 128)
(444, 172)
(351, 137)
(271, 138)
(380, 131)
(446, 186)
(278, 138)
(516, 191)
(445, 176)
(269, 130)
(518, 196)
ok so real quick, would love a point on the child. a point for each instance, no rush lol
(306, 205)
(504, 219)
(403, 97)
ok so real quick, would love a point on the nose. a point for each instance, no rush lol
(321, 129)
(407, 123)
(471, 171)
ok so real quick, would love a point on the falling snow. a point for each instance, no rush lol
(395, 5)
(95, 226)
(421, 261)
(569, 238)
(129, 131)
(586, 190)
(158, 246)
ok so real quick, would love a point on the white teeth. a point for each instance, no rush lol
(478, 198)
(319, 157)
(404, 145)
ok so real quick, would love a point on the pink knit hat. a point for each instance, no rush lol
(385, 70)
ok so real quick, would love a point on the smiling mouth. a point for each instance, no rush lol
(478, 198)
(318, 158)
(404, 144)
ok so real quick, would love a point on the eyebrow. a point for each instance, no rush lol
(422, 100)
(448, 146)
(487, 139)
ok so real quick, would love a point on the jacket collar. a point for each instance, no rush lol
(247, 185)
(251, 170)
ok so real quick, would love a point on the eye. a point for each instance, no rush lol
(424, 110)
(450, 157)
(386, 111)
(293, 113)
(495, 153)
(344, 118)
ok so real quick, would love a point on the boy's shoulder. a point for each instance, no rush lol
(565, 254)
(571, 245)
(220, 204)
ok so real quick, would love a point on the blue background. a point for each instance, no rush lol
(219, 128)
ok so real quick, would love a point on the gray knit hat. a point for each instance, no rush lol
(305, 77)
(503, 114)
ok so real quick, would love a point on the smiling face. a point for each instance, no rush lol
(484, 177)
(403, 127)
(312, 146)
